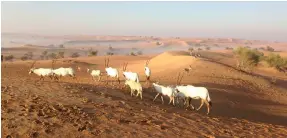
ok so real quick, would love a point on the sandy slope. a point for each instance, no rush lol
(243, 105)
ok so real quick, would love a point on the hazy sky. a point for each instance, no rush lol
(250, 20)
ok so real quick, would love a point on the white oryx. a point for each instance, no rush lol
(164, 91)
(147, 71)
(42, 72)
(111, 72)
(192, 92)
(130, 75)
(135, 86)
(95, 73)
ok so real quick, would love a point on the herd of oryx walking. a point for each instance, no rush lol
(179, 92)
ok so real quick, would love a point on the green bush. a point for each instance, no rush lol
(139, 52)
(268, 48)
(93, 53)
(247, 58)
(190, 49)
(133, 54)
(24, 58)
(75, 55)
(110, 53)
(29, 55)
(275, 60)
(9, 58)
(52, 55)
(61, 54)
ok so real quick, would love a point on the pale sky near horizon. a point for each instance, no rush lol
(248, 20)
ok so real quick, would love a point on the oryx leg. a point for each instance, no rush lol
(162, 99)
(156, 96)
(41, 77)
(170, 99)
(200, 104)
(207, 105)
(189, 102)
(173, 101)
(132, 92)
(107, 79)
(99, 78)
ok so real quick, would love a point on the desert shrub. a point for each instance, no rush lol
(75, 55)
(24, 58)
(247, 58)
(199, 49)
(228, 48)
(61, 54)
(61, 46)
(109, 53)
(190, 49)
(42, 57)
(276, 61)
(197, 44)
(261, 48)
(139, 52)
(158, 43)
(111, 48)
(93, 53)
(52, 56)
(268, 48)
(9, 58)
(133, 54)
(207, 48)
(29, 55)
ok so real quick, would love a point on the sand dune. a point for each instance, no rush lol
(244, 104)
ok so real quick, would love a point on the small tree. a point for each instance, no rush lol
(228, 48)
(110, 53)
(44, 55)
(247, 58)
(52, 56)
(132, 54)
(190, 50)
(9, 58)
(24, 58)
(261, 48)
(93, 53)
(75, 55)
(111, 48)
(29, 55)
(197, 44)
(61, 54)
(275, 60)
(61, 46)
(139, 52)
(268, 48)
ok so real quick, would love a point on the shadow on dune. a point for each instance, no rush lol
(279, 82)
(229, 103)
(225, 103)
